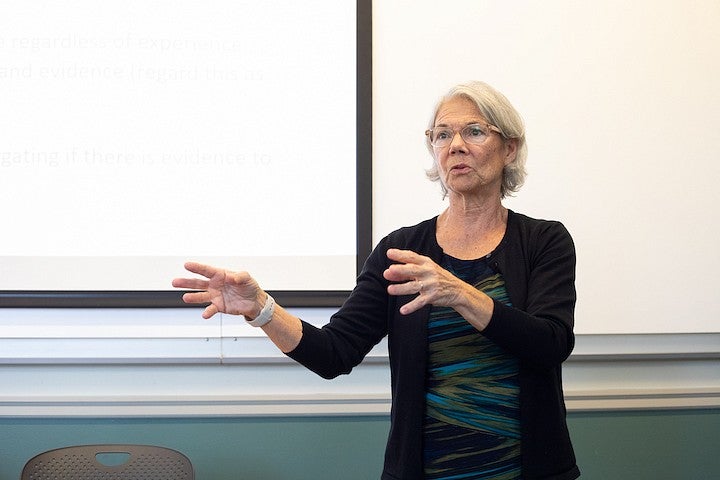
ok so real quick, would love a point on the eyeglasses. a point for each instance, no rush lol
(474, 133)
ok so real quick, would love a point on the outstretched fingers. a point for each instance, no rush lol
(206, 271)
(413, 305)
(407, 268)
(404, 256)
(209, 311)
(409, 287)
(196, 297)
(190, 283)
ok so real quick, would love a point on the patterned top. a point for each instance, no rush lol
(472, 415)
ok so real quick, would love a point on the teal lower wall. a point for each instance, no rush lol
(657, 445)
(613, 445)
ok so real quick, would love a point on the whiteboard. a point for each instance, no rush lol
(137, 135)
(622, 109)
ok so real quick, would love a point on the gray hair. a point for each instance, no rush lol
(498, 111)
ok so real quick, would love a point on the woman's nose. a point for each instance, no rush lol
(458, 143)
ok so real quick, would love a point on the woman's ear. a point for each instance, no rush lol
(510, 150)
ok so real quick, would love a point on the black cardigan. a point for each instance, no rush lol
(537, 261)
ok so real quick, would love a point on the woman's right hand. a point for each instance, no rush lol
(235, 293)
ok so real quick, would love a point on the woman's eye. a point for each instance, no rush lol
(475, 131)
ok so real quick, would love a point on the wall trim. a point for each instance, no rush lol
(241, 373)
(647, 399)
(322, 405)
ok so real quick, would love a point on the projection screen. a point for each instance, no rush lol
(139, 135)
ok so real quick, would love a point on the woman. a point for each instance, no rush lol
(477, 304)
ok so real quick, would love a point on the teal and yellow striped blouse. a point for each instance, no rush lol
(472, 416)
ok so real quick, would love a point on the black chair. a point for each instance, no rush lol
(109, 462)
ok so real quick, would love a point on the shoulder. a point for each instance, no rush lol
(532, 229)
(422, 233)
(419, 238)
(536, 240)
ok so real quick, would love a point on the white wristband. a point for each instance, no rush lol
(265, 314)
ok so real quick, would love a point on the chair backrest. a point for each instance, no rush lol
(109, 462)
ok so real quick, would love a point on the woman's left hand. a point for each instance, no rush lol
(434, 285)
(416, 273)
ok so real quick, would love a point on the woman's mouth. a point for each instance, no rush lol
(460, 168)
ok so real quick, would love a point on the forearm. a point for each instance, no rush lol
(284, 329)
(474, 306)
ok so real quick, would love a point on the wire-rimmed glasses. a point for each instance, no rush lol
(475, 133)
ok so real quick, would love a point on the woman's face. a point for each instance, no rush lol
(468, 169)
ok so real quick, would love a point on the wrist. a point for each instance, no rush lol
(476, 307)
(265, 314)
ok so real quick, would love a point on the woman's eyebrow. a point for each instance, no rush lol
(474, 122)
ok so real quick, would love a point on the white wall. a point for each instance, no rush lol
(622, 109)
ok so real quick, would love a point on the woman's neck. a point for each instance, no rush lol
(470, 231)
(465, 214)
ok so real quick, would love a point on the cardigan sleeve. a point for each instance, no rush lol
(354, 330)
(540, 272)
